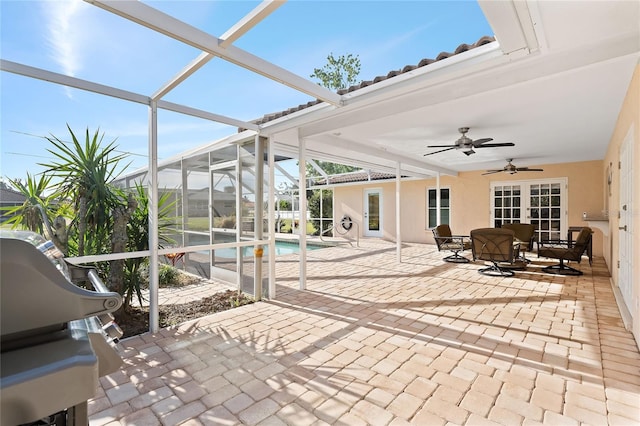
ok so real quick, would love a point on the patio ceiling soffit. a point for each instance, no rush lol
(387, 156)
(156, 20)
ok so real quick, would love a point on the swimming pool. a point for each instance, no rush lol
(282, 248)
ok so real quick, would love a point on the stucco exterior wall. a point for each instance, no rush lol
(470, 200)
(628, 125)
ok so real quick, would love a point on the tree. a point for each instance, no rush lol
(329, 168)
(338, 73)
(86, 172)
(28, 215)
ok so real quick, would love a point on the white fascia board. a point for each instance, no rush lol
(295, 119)
(206, 115)
(429, 77)
(65, 80)
(436, 72)
(387, 89)
(156, 20)
(511, 23)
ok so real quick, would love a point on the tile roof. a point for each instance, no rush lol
(8, 195)
(357, 176)
(443, 55)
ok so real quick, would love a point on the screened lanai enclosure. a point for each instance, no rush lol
(215, 197)
(225, 193)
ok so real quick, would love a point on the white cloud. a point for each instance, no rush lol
(64, 31)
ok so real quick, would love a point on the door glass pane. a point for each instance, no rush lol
(506, 203)
(374, 212)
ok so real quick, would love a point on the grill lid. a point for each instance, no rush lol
(34, 294)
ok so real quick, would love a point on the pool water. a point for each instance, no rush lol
(282, 248)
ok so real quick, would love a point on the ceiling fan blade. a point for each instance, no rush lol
(527, 169)
(471, 151)
(490, 172)
(442, 150)
(495, 145)
(441, 146)
(479, 142)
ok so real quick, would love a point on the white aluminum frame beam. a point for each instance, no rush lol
(238, 30)
(163, 23)
(318, 169)
(78, 83)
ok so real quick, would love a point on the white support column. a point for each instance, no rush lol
(272, 221)
(398, 212)
(239, 252)
(438, 218)
(302, 186)
(258, 222)
(321, 210)
(154, 270)
(185, 207)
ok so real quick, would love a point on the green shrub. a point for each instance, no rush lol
(167, 275)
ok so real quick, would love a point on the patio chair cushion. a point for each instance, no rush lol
(497, 246)
(445, 241)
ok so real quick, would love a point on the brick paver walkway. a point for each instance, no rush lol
(375, 342)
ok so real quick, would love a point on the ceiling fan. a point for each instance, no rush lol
(466, 143)
(511, 169)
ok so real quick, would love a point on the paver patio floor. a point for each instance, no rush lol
(375, 342)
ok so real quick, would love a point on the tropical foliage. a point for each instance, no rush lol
(138, 239)
(105, 218)
(29, 214)
(86, 171)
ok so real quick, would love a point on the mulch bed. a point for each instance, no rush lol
(136, 320)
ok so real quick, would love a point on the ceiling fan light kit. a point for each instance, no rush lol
(467, 144)
(512, 169)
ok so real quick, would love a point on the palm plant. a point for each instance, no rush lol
(28, 215)
(86, 171)
(138, 238)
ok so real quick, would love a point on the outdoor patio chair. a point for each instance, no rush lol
(523, 234)
(448, 242)
(497, 246)
(565, 250)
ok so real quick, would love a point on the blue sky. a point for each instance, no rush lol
(78, 39)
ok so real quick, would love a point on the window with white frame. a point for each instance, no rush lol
(432, 208)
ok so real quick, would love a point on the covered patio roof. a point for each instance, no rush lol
(552, 83)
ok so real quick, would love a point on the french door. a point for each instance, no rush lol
(540, 202)
(372, 213)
